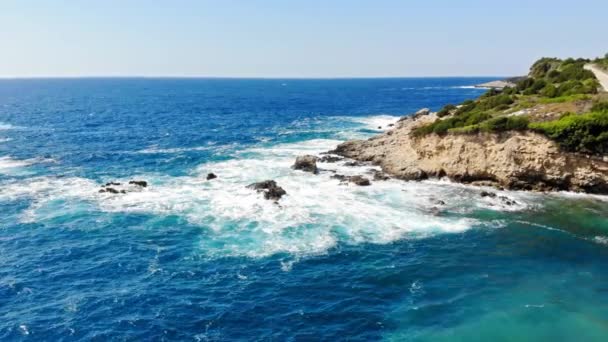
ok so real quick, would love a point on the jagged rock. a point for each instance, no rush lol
(306, 163)
(270, 189)
(211, 176)
(440, 202)
(143, 184)
(391, 125)
(329, 159)
(112, 183)
(379, 127)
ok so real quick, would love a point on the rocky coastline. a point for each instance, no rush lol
(511, 160)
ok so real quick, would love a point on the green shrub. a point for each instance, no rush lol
(505, 123)
(549, 91)
(587, 133)
(446, 110)
(600, 107)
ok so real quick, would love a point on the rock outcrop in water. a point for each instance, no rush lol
(512, 159)
(141, 183)
(270, 189)
(211, 176)
(119, 188)
(306, 163)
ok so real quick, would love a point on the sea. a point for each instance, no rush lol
(192, 259)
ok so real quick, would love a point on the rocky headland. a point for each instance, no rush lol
(548, 132)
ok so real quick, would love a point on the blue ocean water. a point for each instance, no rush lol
(191, 259)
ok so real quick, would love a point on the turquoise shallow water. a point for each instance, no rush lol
(191, 259)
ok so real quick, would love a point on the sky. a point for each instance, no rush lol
(294, 38)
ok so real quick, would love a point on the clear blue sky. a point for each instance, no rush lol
(292, 38)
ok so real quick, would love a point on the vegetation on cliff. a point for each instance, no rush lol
(586, 133)
(554, 99)
(602, 62)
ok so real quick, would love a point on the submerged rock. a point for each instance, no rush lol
(143, 184)
(211, 176)
(306, 163)
(270, 189)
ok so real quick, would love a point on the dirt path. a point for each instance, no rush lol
(601, 75)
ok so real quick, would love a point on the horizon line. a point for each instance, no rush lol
(237, 77)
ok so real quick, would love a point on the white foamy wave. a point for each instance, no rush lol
(5, 140)
(156, 150)
(10, 166)
(7, 162)
(6, 126)
(601, 240)
(376, 121)
(316, 214)
(465, 87)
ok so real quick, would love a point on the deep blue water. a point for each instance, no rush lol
(191, 259)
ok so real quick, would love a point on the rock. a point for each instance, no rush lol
(358, 180)
(270, 189)
(506, 200)
(440, 202)
(391, 125)
(380, 176)
(112, 183)
(143, 184)
(211, 176)
(112, 191)
(329, 159)
(353, 163)
(487, 194)
(422, 112)
(379, 127)
(306, 163)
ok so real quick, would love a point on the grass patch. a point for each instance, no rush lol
(563, 99)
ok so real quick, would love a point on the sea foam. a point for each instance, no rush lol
(316, 214)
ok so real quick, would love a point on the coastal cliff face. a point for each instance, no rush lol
(512, 159)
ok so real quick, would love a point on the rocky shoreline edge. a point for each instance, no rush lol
(507, 161)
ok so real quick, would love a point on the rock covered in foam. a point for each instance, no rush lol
(119, 188)
(211, 176)
(307, 163)
(270, 189)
